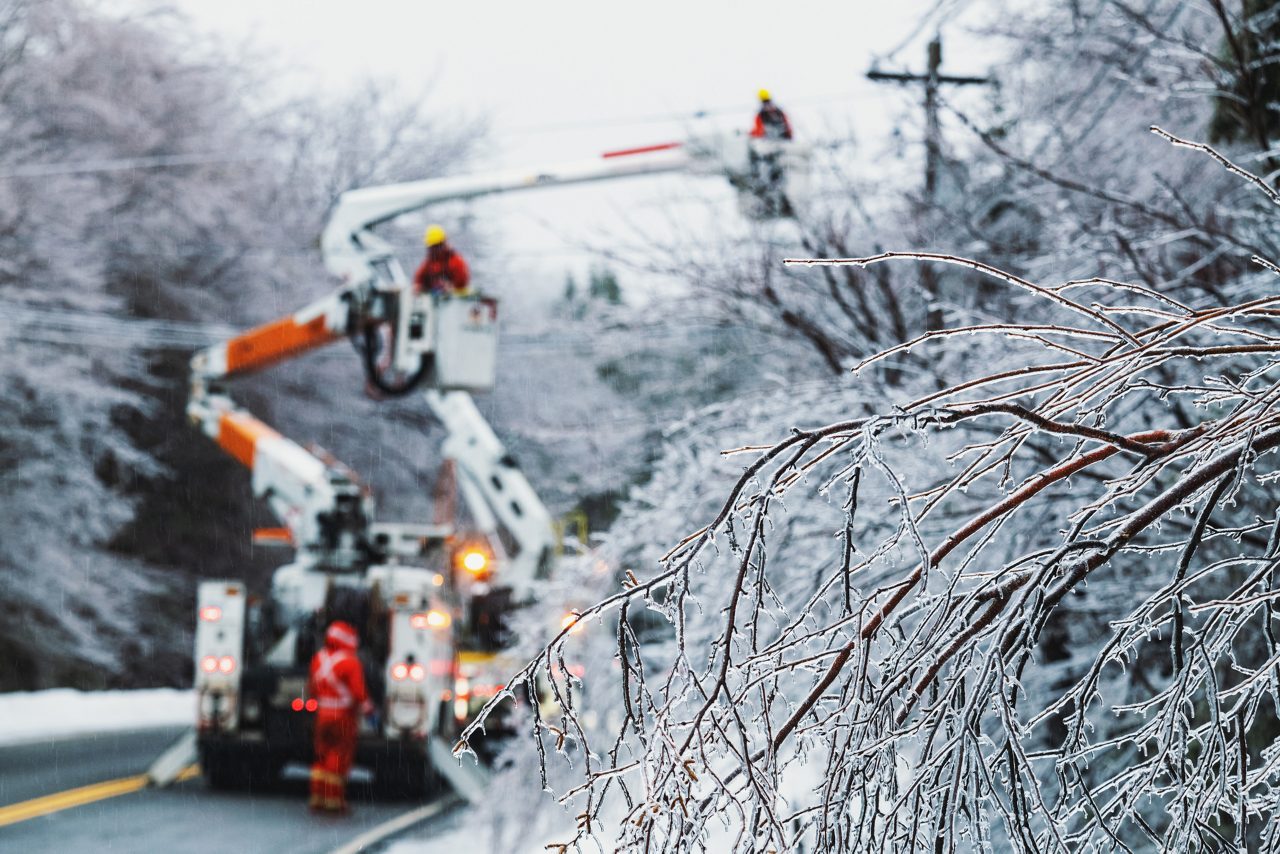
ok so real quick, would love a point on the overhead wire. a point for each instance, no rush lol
(124, 164)
(673, 117)
(934, 19)
(164, 161)
(80, 327)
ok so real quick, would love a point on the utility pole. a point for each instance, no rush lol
(932, 79)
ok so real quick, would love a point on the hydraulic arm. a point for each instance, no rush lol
(501, 499)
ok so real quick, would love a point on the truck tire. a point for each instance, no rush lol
(224, 772)
(406, 776)
(231, 771)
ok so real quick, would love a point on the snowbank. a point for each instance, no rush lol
(35, 715)
(473, 835)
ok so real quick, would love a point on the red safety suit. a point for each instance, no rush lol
(771, 123)
(337, 684)
(443, 271)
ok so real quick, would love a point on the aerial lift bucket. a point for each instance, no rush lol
(466, 343)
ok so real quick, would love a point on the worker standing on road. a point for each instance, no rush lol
(443, 271)
(771, 122)
(337, 684)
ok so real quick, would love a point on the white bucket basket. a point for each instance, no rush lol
(466, 343)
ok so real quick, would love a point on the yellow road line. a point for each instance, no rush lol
(92, 793)
(189, 773)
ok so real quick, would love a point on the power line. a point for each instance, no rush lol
(169, 161)
(934, 19)
(933, 79)
(78, 327)
(125, 164)
(720, 110)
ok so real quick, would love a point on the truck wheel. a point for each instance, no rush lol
(232, 772)
(407, 777)
(224, 772)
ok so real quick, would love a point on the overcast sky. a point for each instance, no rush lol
(564, 79)
(557, 63)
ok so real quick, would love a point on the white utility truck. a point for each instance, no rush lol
(429, 603)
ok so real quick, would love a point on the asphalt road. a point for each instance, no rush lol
(187, 817)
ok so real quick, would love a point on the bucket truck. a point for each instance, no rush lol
(430, 604)
(396, 582)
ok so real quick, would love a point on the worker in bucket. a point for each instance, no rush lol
(337, 684)
(771, 122)
(765, 178)
(443, 271)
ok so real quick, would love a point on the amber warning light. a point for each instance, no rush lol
(475, 561)
(431, 620)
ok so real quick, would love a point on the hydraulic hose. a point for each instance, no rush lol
(369, 358)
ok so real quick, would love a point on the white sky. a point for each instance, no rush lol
(564, 79)
(559, 62)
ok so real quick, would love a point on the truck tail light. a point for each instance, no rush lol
(226, 664)
(313, 704)
(297, 705)
(404, 670)
(211, 613)
(209, 664)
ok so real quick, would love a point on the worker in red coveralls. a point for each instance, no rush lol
(337, 684)
(771, 122)
(443, 271)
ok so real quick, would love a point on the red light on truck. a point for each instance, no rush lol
(211, 613)
(400, 672)
(226, 664)
(209, 664)
(297, 704)
(416, 673)
(312, 704)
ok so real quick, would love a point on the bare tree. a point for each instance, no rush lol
(908, 693)
(136, 179)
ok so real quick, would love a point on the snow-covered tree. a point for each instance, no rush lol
(860, 651)
(138, 180)
(1012, 586)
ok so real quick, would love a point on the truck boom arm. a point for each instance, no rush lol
(500, 497)
(496, 490)
(324, 510)
(352, 252)
(322, 322)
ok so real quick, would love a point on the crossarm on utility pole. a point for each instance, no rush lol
(932, 80)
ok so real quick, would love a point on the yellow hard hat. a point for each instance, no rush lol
(764, 95)
(435, 235)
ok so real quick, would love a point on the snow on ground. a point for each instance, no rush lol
(459, 839)
(63, 712)
(467, 831)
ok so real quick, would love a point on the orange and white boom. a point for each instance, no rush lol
(320, 323)
(497, 493)
(327, 514)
